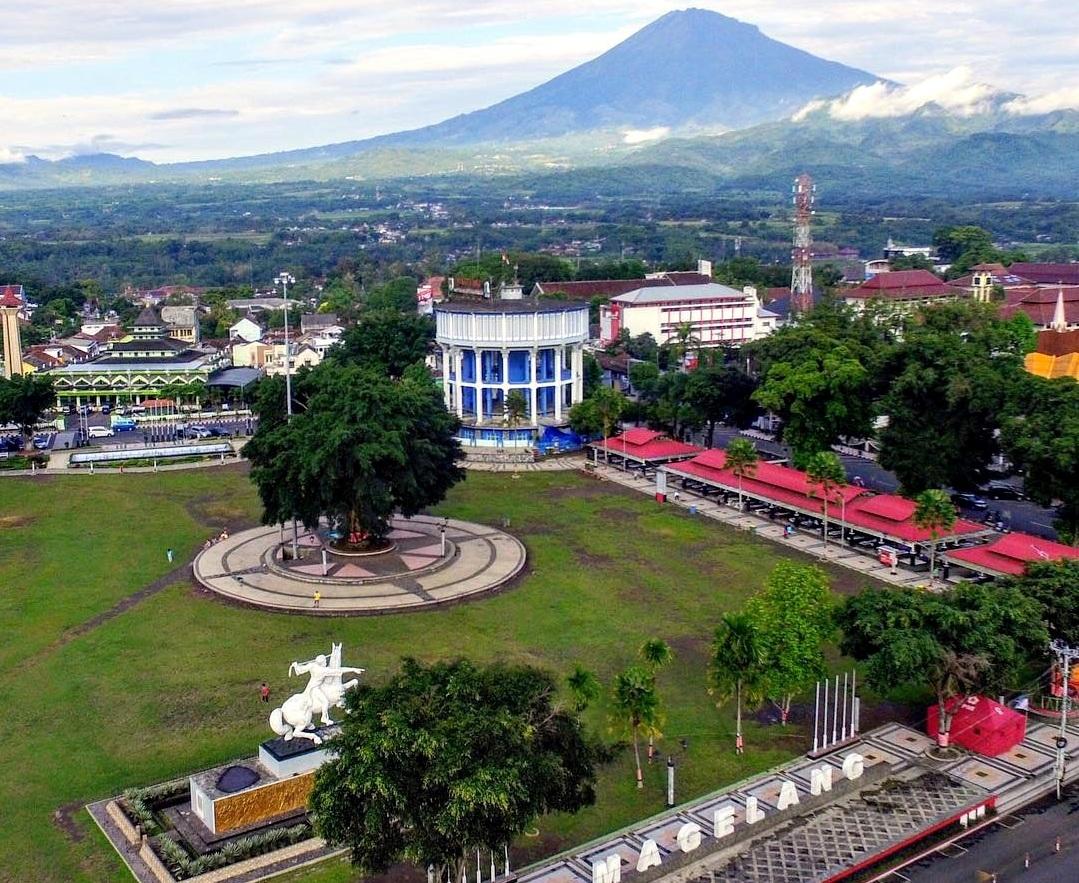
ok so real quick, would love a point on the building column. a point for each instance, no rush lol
(558, 354)
(446, 380)
(459, 389)
(533, 387)
(578, 373)
(505, 379)
(480, 387)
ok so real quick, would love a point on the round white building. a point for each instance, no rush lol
(492, 348)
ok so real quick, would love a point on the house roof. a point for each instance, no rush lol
(1047, 274)
(646, 445)
(148, 318)
(894, 516)
(11, 296)
(158, 343)
(1010, 554)
(589, 288)
(1040, 304)
(679, 293)
(1057, 343)
(496, 305)
(902, 285)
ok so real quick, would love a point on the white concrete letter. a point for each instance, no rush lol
(753, 814)
(820, 780)
(853, 766)
(649, 856)
(788, 795)
(723, 822)
(689, 837)
(607, 871)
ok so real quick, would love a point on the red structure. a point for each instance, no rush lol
(1010, 555)
(644, 447)
(980, 724)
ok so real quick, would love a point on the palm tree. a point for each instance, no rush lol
(656, 653)
(825, 470)
(741, 459)
(516, 410)
(583, 686)
(609, 404)
(737, 667)
(636, 700)
(684, 341)
(934, 512)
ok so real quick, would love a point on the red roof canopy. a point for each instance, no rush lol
(894, 516)
(647, 445)
(980, 724)
(1011, 553)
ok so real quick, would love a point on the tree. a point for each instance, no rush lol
(637, 702)
(516, 408)
(792, 616)
(721, 393)
(643, 347)
(1055, 586)
(359, 447)
(644, 379)
(934, 512)
(825, 471)
(820, 395)
(447, 759)
(386, 341)
(398, 295)
(684, 342)
(23, 399)
(951, 242)
(741, 459)
(598, 413)
(1041, 437)
(971, 639)
(737, 668)
(584, 687)
(593, 375)
(655, 653)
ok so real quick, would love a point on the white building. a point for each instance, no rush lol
(246, 330)
(493, 348)
(717, 315)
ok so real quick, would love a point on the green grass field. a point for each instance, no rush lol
(113, 673)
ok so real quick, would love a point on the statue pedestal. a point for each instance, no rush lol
(258, 791)
(285, 759)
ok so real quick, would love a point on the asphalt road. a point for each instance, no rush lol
(1019, 515)
(1004, 851)
(150, 434)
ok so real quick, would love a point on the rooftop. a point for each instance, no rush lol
(902, 285)
(678, 293)
(525, 305)
(646, 445)
(1010, 554)
(1047, 274)
(11, 296)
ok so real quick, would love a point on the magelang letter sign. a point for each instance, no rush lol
(690, 836)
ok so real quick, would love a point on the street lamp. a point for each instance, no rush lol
(285, 280)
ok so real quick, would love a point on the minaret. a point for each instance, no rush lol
(10, 304)
(1060, 320)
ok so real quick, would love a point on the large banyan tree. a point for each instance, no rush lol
(360, 446)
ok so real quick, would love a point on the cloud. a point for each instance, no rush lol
(957, 91)
(640, 136)
(193, 113)
(1059, 99)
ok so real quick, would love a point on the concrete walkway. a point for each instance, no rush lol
(550, 464)
(479, 559)
(844, 556)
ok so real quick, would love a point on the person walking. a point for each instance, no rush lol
(169, 554)
(264, 692)
(318, 597)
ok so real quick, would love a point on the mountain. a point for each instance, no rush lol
(692, 68)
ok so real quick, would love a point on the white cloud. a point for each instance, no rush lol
(957, 91)
(641, 136)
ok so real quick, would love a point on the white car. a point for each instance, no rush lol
(100, 432)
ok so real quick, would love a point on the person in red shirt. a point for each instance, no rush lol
(264, 692)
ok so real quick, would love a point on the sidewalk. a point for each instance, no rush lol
(771, 530)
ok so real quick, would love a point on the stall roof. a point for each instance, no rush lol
(893, 515)
(1010, 554)
(646, 445)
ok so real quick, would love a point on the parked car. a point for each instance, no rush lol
(100, 432)
(1004, 492)
(42, 441)
(105, 409)
(218, 431)
(970, 501)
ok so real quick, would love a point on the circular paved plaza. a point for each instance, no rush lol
(254, 567)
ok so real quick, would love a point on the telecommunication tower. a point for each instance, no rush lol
(802, 254)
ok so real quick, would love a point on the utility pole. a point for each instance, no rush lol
(285, 280)
(1065, 655)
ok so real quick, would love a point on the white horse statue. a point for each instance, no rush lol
(325, 688)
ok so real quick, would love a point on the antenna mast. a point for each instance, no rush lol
(804, 191)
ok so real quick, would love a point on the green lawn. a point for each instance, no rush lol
(166, 683)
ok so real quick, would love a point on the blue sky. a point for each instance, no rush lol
(196, 79)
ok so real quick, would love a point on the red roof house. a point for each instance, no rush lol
(902, 285)
(1010, 555)
(980, 724)
(645, 446)
(1047, 274)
